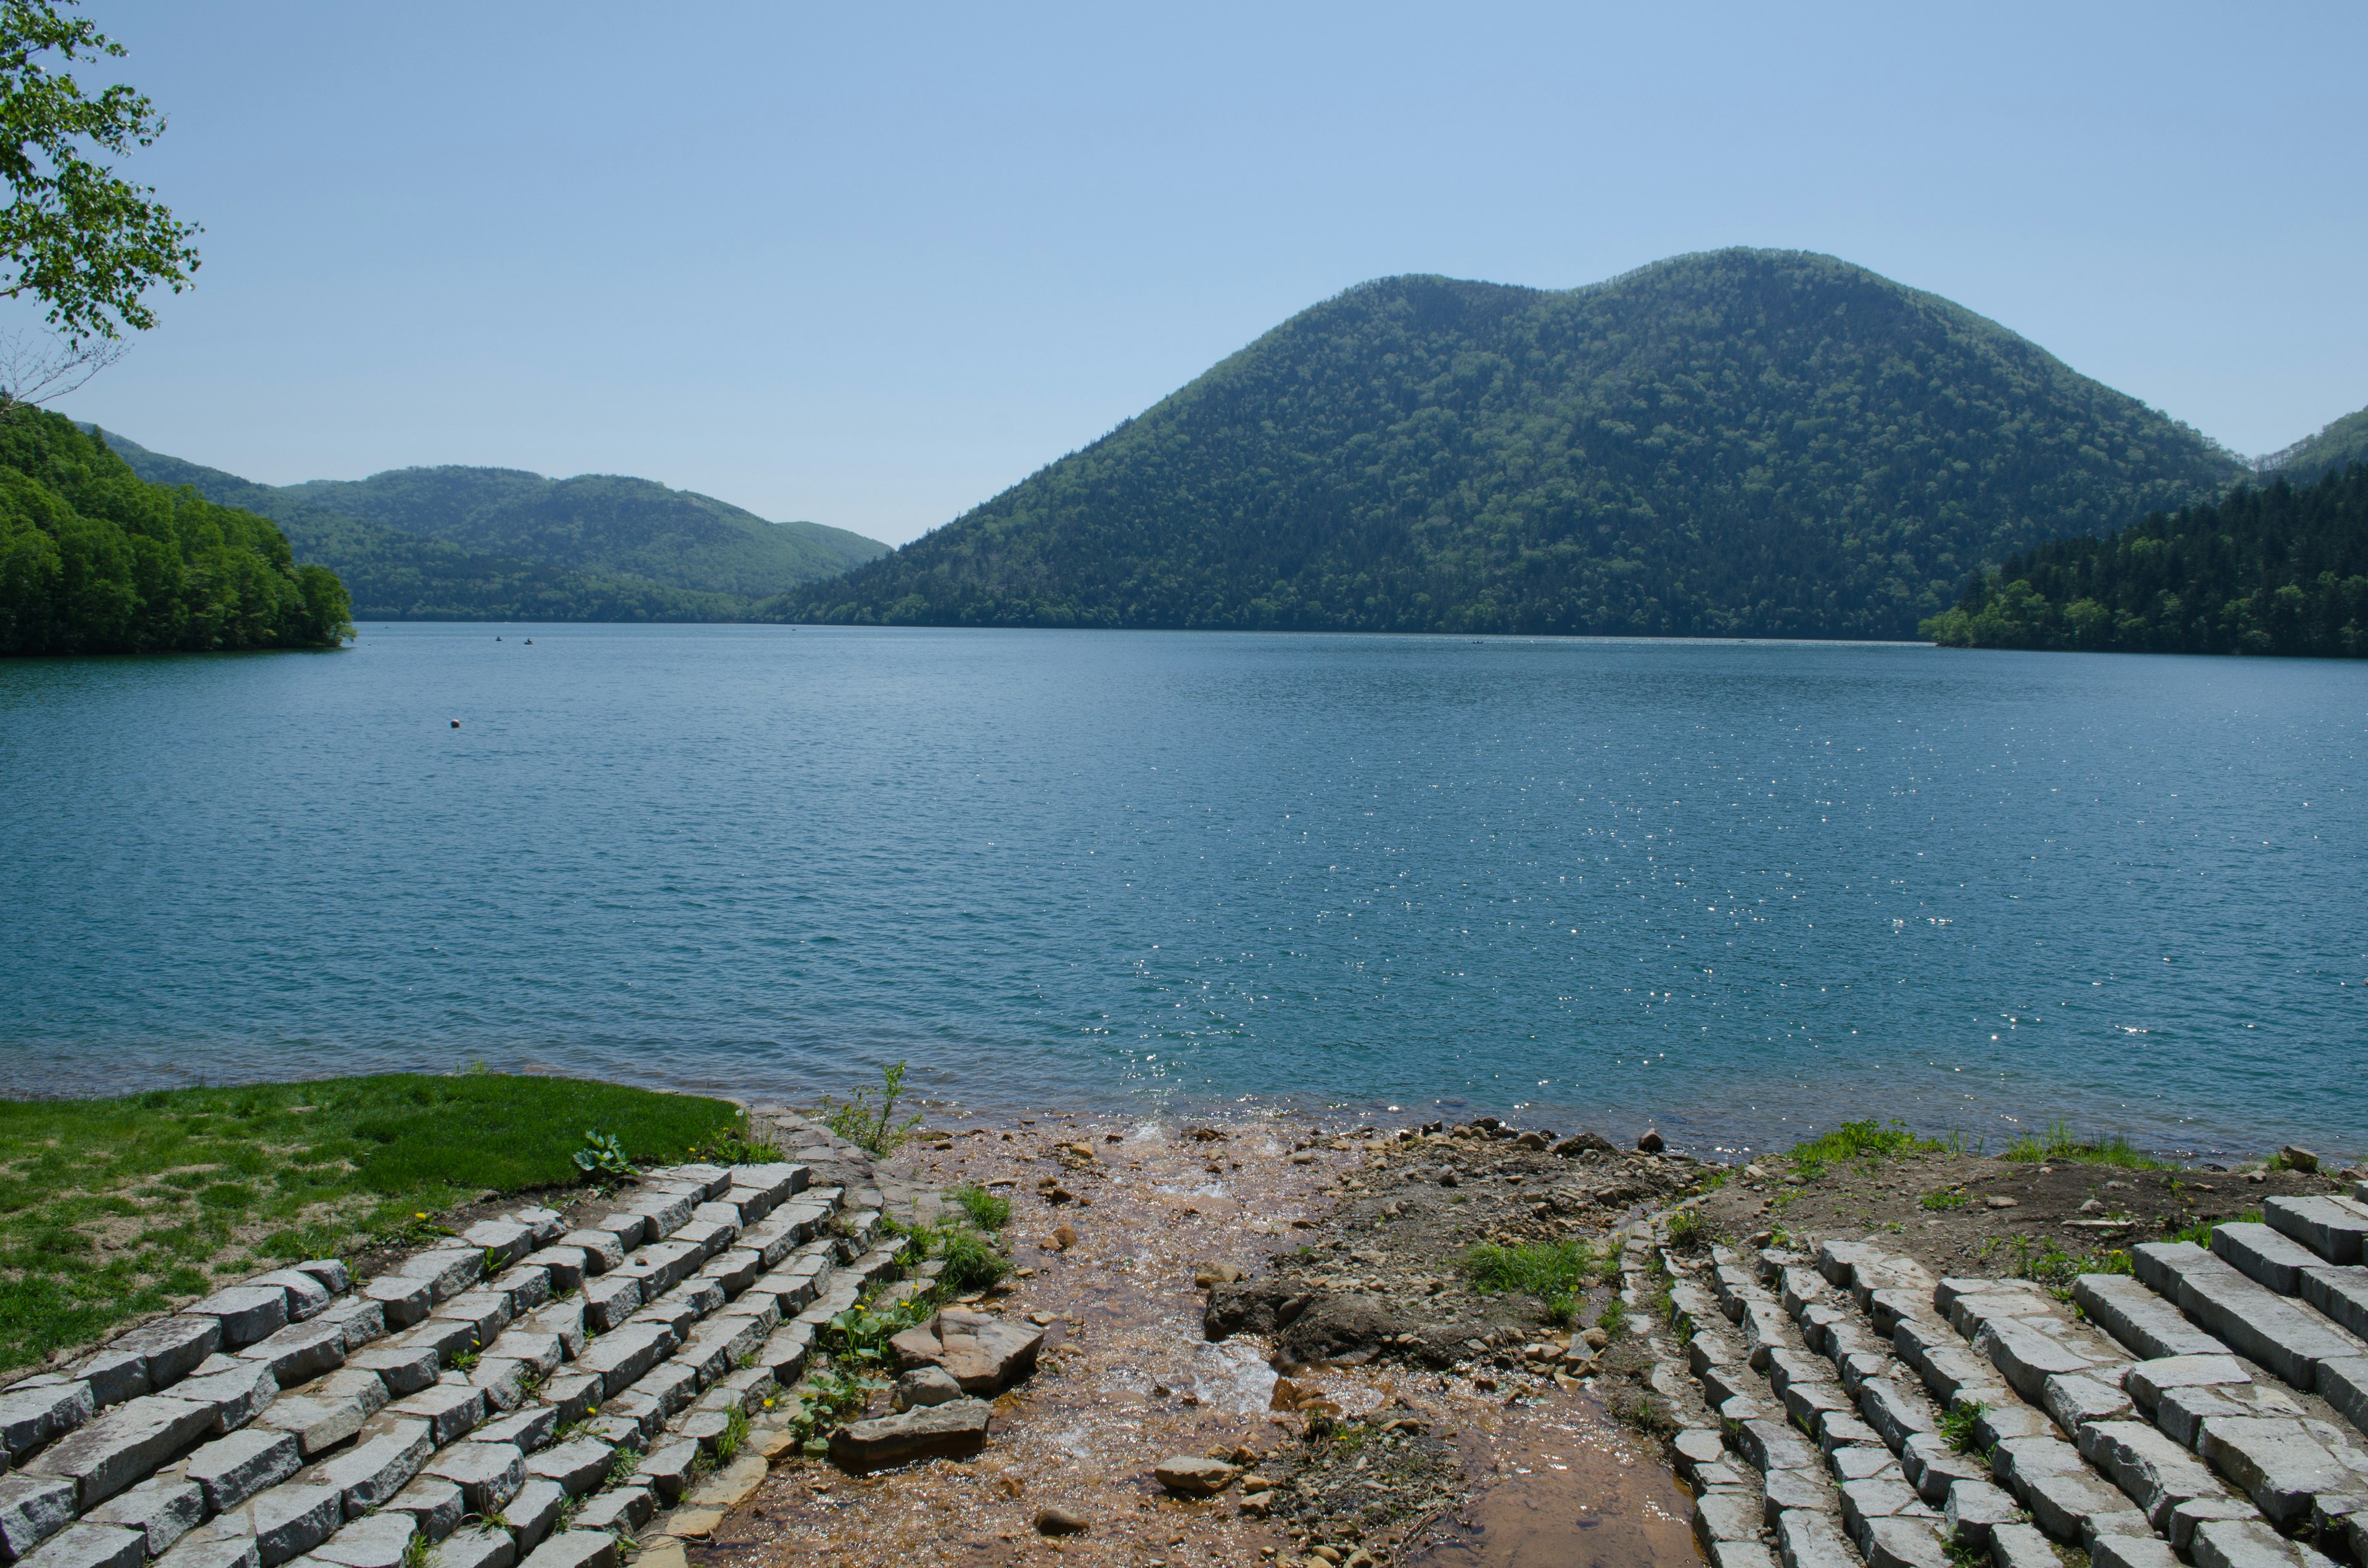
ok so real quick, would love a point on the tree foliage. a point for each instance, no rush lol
(2338, 446)
(499, 544)
(2263, 571)
(76, 235)
(94, 560)
(1740, 443)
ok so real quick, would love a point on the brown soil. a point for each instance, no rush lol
(2014, 1217)
(1401, 1455)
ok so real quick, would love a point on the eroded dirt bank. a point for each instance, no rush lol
(1419, 1420)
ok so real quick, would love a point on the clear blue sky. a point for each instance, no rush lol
(869, 264)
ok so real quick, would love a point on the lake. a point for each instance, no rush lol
(1740, 890)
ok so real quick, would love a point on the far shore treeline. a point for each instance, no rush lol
(2280, 571)
(95, 560)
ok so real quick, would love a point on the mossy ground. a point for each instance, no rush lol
(112, 1210)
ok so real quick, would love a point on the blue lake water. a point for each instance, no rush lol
(1739, 890)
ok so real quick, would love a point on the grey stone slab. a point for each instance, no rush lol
(734, 1270)
(319, 1421)
(528, 1285)
(403, 1297)
(565, 1319)
(571, 1396)
(540, 1351)
(2277, 1462)
(610, 1300)
(504, 1380)
(123, 1444)
(377, 1542)
(450, 1410)
(671, 1386)
(364, 1387)
(753, 1204)
(1771, 1445)
(667, 1466)
(1940, 1472)
(334, 1275)
(363, 1322)
(32, 1509)
(114, 1376)
(2333, 1228)
(1808, 1538)
(2188, 1515)
(1995, 1424)
(486, 1313)
(91, 1546)
(2022, 1546)
(2344, 1383)
(579, 1465)
(625, 1508)
(2340, 1293)
(662, 1211)
(2132, 1551)
(2264, 1256)
(1874, 1498)
(527, 1430)
(2026, 1357)
(172, 1347)
(199, 1550)
(448, 1272)
(488, 1474)
(2077, 1505)
(533, 1511)
(602, 1250)
(630, 1229)
(387, 1452)
(2076, 1399)
(236, 1394)
(2147, 1381)
(299, 1352)
(2280, 1332)
(1904, 1541)
(1785, 1489)
(477, 1547)
(1892, 1411)
(448, 1338)
(162, 1509)
(564, 1268)
(33, 1415)
(505, 1240)
(2146, 1325)
(574, 1549)
(230, 1470)
(1808, 1405)
(436, 1506)
(623, 1356)
(2249, 1543)
(1973, 1510)
(247, 1312)
(2154, 1472)
(306, 1294)
(286, 1521)
(953, 1429)
(404, 1366)
(2181, 1412)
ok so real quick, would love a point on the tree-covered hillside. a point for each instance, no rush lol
(483, 543)
(2263, 571)
(95, 560)
(2338, 446)
(599, 523)
(1739, 443)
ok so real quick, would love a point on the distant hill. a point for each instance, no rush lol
(2338, 446)
(503, 544)
(95, 560)
(1744, 442)
(2274, 570)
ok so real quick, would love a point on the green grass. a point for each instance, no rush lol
(989, 1212)
(2201, 1232)
(1957, 1426)
(1547, 1270)
(2060, 1145)
(1943, 1199)
(112, 1210)
(1869, 1140)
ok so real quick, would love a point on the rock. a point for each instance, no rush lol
(478, 1547)
(32, 1509)
(2299, 1160)
(1650, 1144)
(985, 1353)
(164, 1508)
(125, 1444)
(488, 1474)
(574, 1549)
(32, 1416)
(1060, 1521)
(2249, 1543)
(171, 1348)
(230, 1470)
(1999, 1200)
(299, 1352)
(388, 1453)
(1210, 1274)
(926, 1386)
(286, 1521)
(247, 1312)
(436, 1506)
(579, 1465)
(202, 1550)
(2334, 1228)
(2264, 1254)
(1063, 1238)
(91, 1546)
(320, 1422)
(1595, 1339)
(1189, 1475)
(450, 1410)
(957, 1427)
(306, 1294)
(668, 1468)
(626, 1508)
(2133, 1314)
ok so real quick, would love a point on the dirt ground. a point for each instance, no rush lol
(1428, 1451)
(1962, 1214)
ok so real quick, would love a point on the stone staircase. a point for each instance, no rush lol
(523, 1393)
(2207, 1411)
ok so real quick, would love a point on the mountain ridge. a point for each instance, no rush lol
(1732, 443)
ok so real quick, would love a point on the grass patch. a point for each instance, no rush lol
(112, 1210)
(1547, 1270)
(2201, 1232)
(1957, 1426)
(1871, 1142)
(987, 1210)
(2060, 1145)
(1944, 1199)
(1613, 1319)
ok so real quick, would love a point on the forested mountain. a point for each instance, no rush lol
(2279, 570)
(2338, 446)
(502, 544)
(1739, 443)
(95, 560)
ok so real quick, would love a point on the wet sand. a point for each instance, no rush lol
(1128, 1379)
